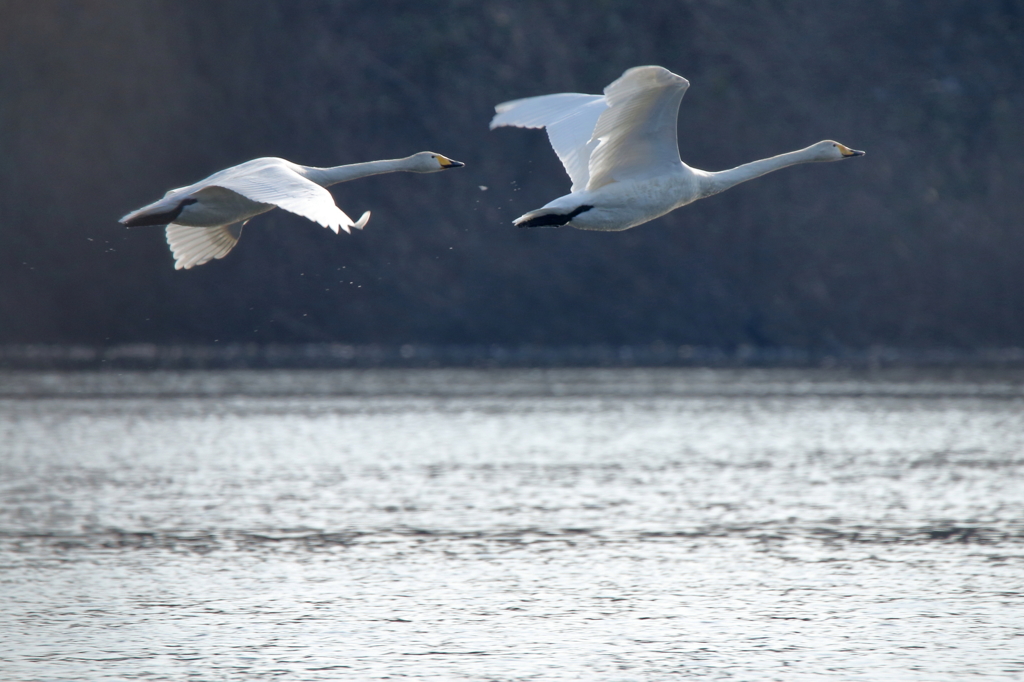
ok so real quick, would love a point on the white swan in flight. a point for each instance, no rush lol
(204, 220)
(621, 153)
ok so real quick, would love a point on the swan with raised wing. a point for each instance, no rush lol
(204, 220)
(621, 153)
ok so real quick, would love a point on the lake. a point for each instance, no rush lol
(560, 524)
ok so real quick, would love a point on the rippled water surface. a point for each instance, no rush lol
(511, 525)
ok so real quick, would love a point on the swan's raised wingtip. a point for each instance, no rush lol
(658, 74)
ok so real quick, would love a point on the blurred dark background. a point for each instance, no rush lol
(106, 104)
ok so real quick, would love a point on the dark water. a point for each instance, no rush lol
(512, 525)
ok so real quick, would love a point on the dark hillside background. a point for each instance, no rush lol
(106, 104)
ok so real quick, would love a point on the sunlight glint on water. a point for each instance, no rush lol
(576, 524)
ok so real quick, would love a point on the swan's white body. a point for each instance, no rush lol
(621, 153)
(204, 220)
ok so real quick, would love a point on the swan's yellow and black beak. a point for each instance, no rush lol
(847, 152)
(450, 163)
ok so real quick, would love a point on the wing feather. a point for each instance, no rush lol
(271, 181)
(193, 246)
(636, 134)
(569, 118)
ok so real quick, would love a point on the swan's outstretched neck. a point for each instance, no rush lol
(325, 177)
(715, 182)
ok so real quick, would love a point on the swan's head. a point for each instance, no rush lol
(429, 162)
(830, 150)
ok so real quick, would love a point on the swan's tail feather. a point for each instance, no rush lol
(547, 217)
(192, 246)
(158, 213)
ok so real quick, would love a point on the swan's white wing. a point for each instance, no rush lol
(636, 134)
(270, 181)
(569, 118)
(193, 246)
